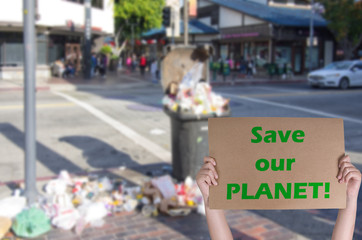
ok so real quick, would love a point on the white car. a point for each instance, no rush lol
(341, 74)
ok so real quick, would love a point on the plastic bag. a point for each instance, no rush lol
(31, 223)
(193, 76)
(92, 212)
(56, 187)
(66, 219)
(11, 206)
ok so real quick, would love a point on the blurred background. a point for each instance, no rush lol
(104, 107)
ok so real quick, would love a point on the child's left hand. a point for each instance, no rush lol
(350, 175)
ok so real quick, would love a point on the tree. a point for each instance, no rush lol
(345, 22)
(143, 15)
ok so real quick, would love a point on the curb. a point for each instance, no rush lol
(230, 83)
(8, 89)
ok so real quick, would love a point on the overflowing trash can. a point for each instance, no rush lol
(189, 102)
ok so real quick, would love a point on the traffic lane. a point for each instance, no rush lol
(67, 138)
(140, 110)
(346, 103)
(287, 89)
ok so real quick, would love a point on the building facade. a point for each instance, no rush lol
(268, 32)
(60, 33)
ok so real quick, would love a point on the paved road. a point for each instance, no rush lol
(96, 129)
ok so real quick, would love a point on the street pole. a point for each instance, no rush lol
(132, 38)
(87, 39)
(173, 33)
(186, 22)
(29, 100)
(311, 33)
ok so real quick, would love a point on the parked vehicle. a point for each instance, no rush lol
(342, 74)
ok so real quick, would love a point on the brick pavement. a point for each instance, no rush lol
(244, 225)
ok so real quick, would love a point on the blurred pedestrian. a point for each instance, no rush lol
(153, 71)
(243, 66)
(226, 70)
(94, 64)
(250, 67)
(129, 63)
(143, 64)
(69, 69)
(215, 69)
(134, 62)
(103, 65)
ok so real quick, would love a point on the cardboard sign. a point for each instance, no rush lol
(276, 163)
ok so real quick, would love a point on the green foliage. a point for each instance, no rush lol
(114, 57)
(345, 18)
(106, 49)
(143, 14)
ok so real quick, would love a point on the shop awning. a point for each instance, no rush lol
(195, 27)
(275, 15)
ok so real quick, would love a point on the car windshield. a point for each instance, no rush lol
(338, 65)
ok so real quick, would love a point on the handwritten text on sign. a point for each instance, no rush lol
(272, 164)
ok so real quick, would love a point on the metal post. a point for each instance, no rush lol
(29, 100)
(87, 39)
(132, 38)
(186, 22)
(311, 33)
(173, 33)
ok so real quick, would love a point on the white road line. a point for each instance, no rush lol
(279, 89)
(302, 109)
(153, 148)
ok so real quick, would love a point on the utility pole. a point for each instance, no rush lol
(87, 39)
(311, 33)
(186, 22)
(29, 100)
(132, 26)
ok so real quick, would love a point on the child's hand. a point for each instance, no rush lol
(350, 175)
(207, 176)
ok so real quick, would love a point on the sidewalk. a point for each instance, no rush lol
(125, 79)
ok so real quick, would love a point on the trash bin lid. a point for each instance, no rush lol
(176, 64)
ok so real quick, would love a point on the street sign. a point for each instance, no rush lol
(175, 18)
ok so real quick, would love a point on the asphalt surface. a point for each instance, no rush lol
(103, 128)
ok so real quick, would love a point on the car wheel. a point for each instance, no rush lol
(344, 83)
(314, 86)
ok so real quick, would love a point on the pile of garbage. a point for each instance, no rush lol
(192, 94)
(73, 203)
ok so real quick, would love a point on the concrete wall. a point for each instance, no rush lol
(204, 3)
(17, 73)
(206, 20)
(251, 20)
(229, 18)
(58, 12)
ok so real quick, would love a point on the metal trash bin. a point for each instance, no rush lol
(190, 144)
(189, 130)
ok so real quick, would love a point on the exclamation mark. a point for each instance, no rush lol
(326, 190)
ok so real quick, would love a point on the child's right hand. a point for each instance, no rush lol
(207, 176)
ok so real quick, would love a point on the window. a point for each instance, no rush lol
(95, 3)
(14, 53)
(358, 66)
